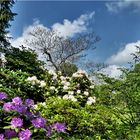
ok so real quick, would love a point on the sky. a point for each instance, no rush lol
(116, 22)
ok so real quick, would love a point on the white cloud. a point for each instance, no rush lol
(112, 71)
(69, 28)
(117, 6)
(25, 35)
(124, 55)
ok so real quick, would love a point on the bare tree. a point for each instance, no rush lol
(93, 67)
(59, 50)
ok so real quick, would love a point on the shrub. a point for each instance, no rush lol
(15, 84)
(20, 120)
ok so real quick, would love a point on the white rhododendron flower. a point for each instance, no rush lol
(34, 81)
(73, 99)
(78, 91)
(86, 93)
(91, 100)
(35, 106)
(43, 103)
(63, 82)
(69, 97)
(42, 83)
(2, 59)
(66, 97)
(54, 77)
(52, 72)
(59, 72)
(52, 88)
(74, 75)
(62, 78)
(33, 78)
(67, 83)
(80, 73)
(71, 92)
(65, 87)
(92, 87)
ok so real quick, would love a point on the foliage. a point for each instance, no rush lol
(124, 97)
(15, 83)
(25, 60)
(68, 69)
(82, 122)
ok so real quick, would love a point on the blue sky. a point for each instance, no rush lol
(117, 23)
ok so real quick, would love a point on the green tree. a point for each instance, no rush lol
(68, 69)
(25, 60)
(6, 15)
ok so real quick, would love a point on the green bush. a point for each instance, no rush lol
(15, 84)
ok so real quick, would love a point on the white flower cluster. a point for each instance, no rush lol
(52, 88)
(51, 72)
(3, 59)
(37, 105)
(80, 73)
(34, 81)
(91, 87)
(70, 96)
(91, 100)
(86, 93)
(78, 91)
(64, 82)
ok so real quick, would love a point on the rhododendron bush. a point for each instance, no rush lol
(20, 120)
(53, 106)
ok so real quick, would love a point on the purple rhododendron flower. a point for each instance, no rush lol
(48, 132)
(8, 106)
(3, 95)
(59, 127)
(1, 137)
(25, 134)
(9, 133)
(39, 122)
(29, 102)
(16, 122)
(30, 115)
(20, 109)
(17, 101)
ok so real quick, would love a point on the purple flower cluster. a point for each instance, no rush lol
(9, 133)
(39, 122)
(60, 127)
(29, 102)
(25, 111)
(25, 134)
(1, 137)
(8, 106)
(17, 101)
(17, 105)
(17, 122)
(3, 95)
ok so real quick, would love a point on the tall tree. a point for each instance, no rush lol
(6, 15)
